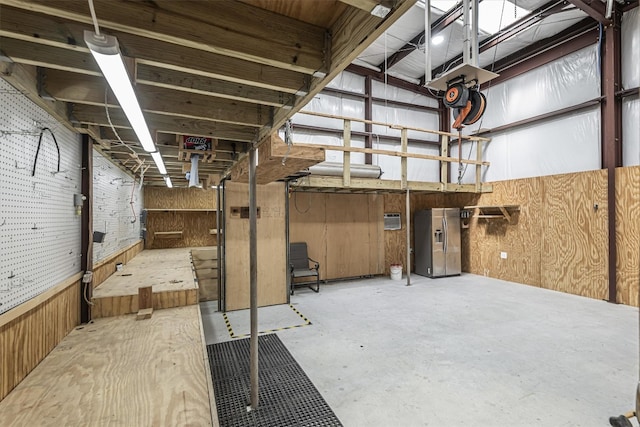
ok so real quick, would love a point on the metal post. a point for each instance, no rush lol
(474, 34)
(427, 42)
(253, 278)
(218, 242)
(86, 232)
(465, 32)
(408, 215)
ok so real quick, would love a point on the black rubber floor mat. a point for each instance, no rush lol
(287, 396)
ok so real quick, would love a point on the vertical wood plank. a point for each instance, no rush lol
(444, 166)
(346, 155)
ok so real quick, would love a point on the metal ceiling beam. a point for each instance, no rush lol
(440, 24)
(512, 30)
(572, 39)
(594, 8)
(390, 80)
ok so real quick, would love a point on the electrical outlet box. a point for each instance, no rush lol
(503, 255)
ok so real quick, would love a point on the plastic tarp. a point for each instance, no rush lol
(417, 169)
(392, 93)
(569, 81)
(631, 131)
(406, 117)
(337, 105)
(348, 81)
(631, 49)
(564, 145)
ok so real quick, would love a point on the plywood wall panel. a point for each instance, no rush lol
(575, 247)
(272, 271)
(628, 234)
(308, 223)
(179, 198)
(25, 341)
(349, 236)
(194, 226)
(104, 269)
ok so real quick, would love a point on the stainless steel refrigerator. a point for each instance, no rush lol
(437, 242)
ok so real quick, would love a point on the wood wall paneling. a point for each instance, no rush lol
(308, 223)
(194, 226)
(628, 234)
(128, 304)
(575, 247)
(179, 198)
(272, 270)
(27, 339)
(105, 268)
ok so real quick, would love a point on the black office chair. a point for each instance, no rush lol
(299, 266)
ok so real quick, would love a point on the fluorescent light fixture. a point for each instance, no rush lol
(437, 40)
(167, 180)
(157, 158)
(106, 52)
(380, 11)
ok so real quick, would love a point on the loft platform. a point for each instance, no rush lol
(504, 212)
(469, 72)
(167, 271)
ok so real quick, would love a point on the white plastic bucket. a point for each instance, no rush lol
(396, 271)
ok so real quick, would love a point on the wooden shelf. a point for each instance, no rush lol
(495, 212)
(168, 234)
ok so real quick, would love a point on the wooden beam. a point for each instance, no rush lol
(352, 33)
(178, 80)
(83, 89)
(346, 155)
(24, 79)
(335, 182)
(231, 29)
(391, 153)
(68, 35)
(444, 166)
(366, 5)
(95, 115)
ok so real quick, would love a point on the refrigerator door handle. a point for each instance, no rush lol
(444, 228)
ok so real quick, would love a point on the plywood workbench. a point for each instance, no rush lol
(167, 271)
(119, 371)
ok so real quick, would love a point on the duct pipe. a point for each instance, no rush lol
(427, 42)
(465, 32)
(335, 169)
(194, 179)
(474, 33)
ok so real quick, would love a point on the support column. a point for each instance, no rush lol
(408, 216)
(253, 279)
(86, 227)
(611, 138)
(346, 155)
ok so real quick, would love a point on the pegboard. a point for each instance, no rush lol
(117, 204)
(39, 230)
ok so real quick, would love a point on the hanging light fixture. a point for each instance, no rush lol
(106, 52)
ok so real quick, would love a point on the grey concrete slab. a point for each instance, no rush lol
(466, 351)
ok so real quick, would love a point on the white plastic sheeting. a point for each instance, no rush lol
(392, 93)
(417, 169)
(406, 117)
(348, 81)
(564, 145)
(336, 105)
(631, 49)
(569, 81)
(631, 132)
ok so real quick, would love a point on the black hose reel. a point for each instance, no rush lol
(469, 103)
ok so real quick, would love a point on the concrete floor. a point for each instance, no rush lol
(462, 351)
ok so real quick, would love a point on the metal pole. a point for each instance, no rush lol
(427, 42)
(253, 278)
(408, 215)
(218, 242)
(474, 34)
(465, 32)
